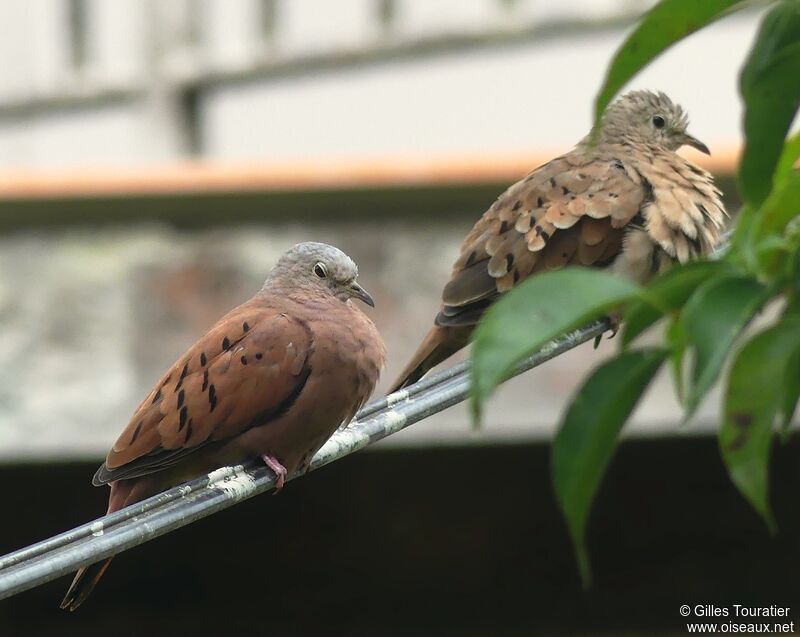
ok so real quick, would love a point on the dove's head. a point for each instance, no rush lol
(318, 267)
(644, 117)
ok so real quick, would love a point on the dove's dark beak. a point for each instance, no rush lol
(688, 140)
(360, 293)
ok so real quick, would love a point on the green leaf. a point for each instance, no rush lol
(537, 311)
(793, 304)
(791, 394)
(782, 206)
(588, 436)
(677, 343)
(773, 258)
(666, 293)
(777, 249)
(664, 25)
(744, 238)
(753, 397)
(712, 320)
(791, 389)
(771, 93)
(788, 158)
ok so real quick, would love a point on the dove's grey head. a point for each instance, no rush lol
(318, 267)
(644, 117)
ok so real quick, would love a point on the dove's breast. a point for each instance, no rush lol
(343, 364)
(685, 214)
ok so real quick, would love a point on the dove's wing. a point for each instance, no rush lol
(572, 210)
(248, 369)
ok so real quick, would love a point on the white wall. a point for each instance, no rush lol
(117, 45)
(91, 137)
(309, 26)
(17, 59)
(36, 53)
(511, 97)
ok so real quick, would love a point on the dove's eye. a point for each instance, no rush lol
(658, 121)
(320, 270)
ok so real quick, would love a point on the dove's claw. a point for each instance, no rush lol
(614, 322)
(277, 468)
(613, 326)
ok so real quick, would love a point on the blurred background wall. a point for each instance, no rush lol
(156, 156)
(135, 82)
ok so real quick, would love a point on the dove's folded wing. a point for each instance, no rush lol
(572, 210)
(244, 372)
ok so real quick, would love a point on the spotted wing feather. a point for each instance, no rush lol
(237, 376)
(572, 210)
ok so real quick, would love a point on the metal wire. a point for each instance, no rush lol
(182, 505)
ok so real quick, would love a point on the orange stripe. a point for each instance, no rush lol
(211, 177)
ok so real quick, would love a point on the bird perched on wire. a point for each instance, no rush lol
(274, 378)
(621, 199)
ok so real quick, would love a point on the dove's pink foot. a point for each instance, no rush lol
(277, 468)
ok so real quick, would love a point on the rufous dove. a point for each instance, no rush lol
(274, 378)
(625, 201)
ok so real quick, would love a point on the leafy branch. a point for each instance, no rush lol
(707, 305)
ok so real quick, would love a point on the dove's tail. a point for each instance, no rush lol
(83, 584)
(87, 577)
(439, 344)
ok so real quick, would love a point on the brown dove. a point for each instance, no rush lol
(274, 378)
(625, 201)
